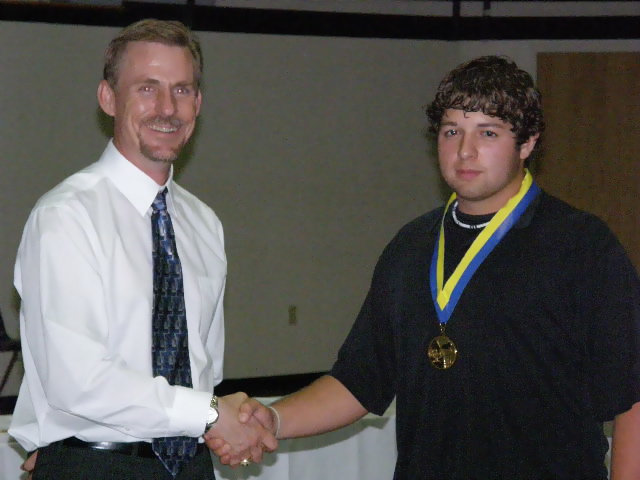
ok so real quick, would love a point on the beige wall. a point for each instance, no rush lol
(311, 150)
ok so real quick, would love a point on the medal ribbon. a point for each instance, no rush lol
(446, 297)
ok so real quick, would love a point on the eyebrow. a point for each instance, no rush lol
(154, 81)
(451, 123)
(149, 80)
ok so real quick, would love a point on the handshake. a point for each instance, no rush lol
(244, 431)
(246, 428)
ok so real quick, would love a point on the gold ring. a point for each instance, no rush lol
(246, 462)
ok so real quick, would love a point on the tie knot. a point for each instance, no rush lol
(160, 202)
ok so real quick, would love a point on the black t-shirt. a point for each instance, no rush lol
(547, 332)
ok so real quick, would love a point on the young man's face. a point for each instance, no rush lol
(479, 160)
(154, 104)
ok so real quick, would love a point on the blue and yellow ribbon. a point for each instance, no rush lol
(445, 297)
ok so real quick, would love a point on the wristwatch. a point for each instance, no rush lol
(212, 416)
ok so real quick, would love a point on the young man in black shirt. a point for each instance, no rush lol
(505, 323)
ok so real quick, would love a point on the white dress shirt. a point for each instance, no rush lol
(84, 274)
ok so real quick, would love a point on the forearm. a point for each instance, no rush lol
(77, 375)
(625, 460)
(324, 405)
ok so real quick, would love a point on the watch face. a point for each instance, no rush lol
(213, 415)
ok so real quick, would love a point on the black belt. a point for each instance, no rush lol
(134, 449)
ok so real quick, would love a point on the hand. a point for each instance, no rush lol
(29, 464)
(253, 408)
(242, 441)
(250, 411)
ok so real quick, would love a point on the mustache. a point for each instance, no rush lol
(164, 121)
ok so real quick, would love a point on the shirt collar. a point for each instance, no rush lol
(132, 182)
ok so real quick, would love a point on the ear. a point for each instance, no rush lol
(106, 98)
(198, 102)
(527, 147)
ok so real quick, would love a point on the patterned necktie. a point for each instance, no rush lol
(170, 351)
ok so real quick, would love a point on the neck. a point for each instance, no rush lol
(474, 224)
(159, 176)
(158, 171)
(474, 208)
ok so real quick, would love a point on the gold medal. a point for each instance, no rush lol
(442, 352)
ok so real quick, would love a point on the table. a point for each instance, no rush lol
(366, 449)
(11, 454)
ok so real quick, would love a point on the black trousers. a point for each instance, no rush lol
(60, 462)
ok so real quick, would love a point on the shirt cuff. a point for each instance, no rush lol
(189, 412)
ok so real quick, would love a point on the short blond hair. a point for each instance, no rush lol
(172, 33)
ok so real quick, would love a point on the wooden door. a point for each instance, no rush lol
(591, 147)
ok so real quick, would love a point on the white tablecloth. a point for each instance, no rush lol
(364, 450)
(11, 453)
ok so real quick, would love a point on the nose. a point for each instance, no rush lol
(166, 102)
(467, 147)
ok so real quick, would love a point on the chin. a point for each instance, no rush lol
(165, 159)
(161, 156)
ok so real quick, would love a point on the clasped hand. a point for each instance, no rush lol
(245, 430)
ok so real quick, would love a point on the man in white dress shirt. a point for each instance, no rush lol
(90, 403)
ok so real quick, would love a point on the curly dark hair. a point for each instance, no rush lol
(172, 33)
(495, 86)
